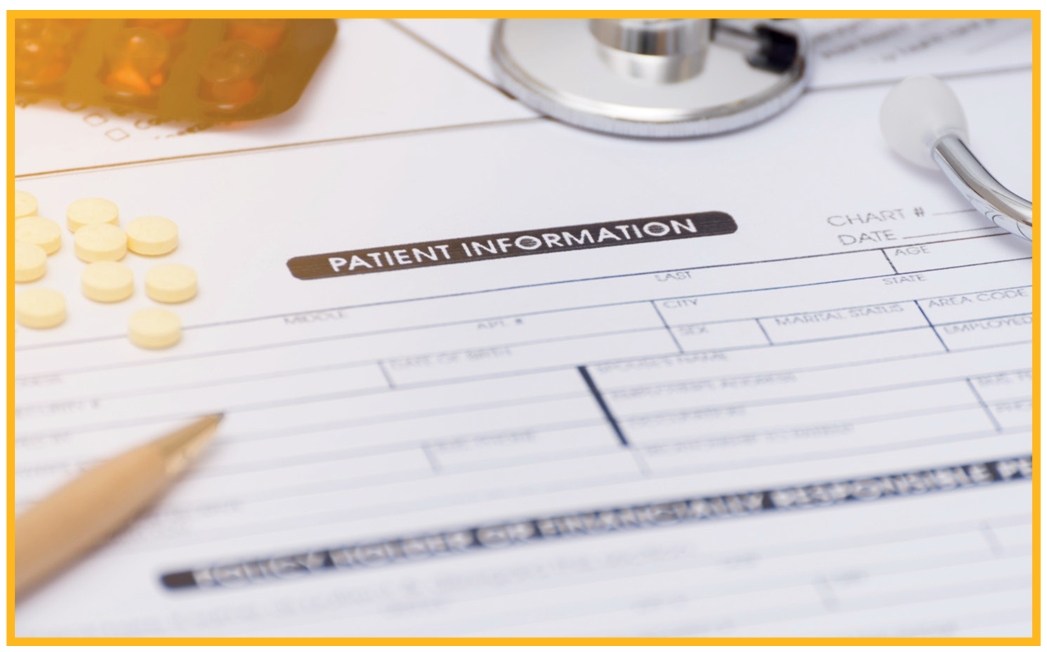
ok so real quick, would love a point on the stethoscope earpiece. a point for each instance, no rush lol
(923, 122)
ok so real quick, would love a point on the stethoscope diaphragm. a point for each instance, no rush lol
(653, 78)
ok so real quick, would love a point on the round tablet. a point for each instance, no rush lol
(96, 242)
(152, 236)
(170, 283)
(107, 281)
(39, 231)
(25, 204)
(39, 308)
(30, 262)
(91, 210)
(154, 328)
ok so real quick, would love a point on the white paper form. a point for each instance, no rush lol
(864, 51)
(816, 425)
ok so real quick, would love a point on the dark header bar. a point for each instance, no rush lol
(356, 556)
(509, 245)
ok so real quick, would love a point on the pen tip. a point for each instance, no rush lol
(183, 445)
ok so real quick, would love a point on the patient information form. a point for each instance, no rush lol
(516, 379)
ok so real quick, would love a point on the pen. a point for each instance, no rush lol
(82, 514)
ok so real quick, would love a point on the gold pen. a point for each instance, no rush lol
(82, 514)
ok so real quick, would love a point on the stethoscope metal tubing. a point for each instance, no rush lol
(982, 190)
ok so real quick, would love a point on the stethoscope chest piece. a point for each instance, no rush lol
(653, 78)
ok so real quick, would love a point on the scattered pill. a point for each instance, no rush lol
(30, 262)
(96, 242)
(107, 281)
(152, 236)
(25, 204)
(154, 328)
(91, 210)
(39, 308)
(39, 231)
(170, 283)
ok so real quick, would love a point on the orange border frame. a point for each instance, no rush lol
(1032, 15)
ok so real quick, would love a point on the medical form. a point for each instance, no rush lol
(490, 375)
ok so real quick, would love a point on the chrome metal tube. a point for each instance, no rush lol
(666, 51)
(991, 198)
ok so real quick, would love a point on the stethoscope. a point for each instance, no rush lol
(663, 79)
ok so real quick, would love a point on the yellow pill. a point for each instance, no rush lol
(30, 262)
(25, 204)
(91, 210)
(39, 308)
(39, 231)
(171, 283)
(155, 328)
(107, 281)
(96, 242)
(152, 236)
